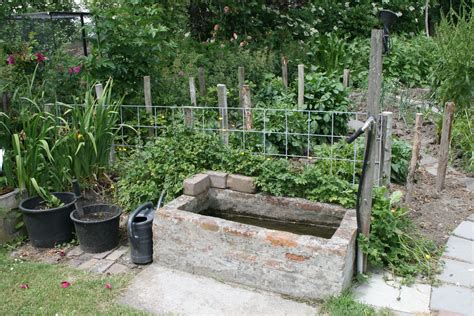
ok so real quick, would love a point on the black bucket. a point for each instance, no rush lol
(48, 227)
(98, 229)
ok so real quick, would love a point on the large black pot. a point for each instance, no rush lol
(48, 227)
(97, 233)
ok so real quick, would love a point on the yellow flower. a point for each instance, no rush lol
(220, 118)
(112, 186)
(162, 116)
(79, 136)
(428, 257)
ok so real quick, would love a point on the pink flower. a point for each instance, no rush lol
(65, 284)
(108, 286)
(24, 286)
(74, 70)
(40, 57)
(10, 59)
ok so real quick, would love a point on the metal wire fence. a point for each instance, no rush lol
(300, 134)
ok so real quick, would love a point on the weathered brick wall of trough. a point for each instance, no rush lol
(296, 265)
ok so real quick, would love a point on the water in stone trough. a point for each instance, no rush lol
(300, 228)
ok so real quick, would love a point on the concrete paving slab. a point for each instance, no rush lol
(460, 249)
(161, 290)
(471, 218)
(465, 230)
(457, 273)
(117, 253)
(453, 299)
(388, 294)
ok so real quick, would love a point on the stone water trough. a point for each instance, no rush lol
(221, 228)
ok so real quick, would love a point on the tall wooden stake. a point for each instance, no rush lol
(241, 77)
(247, 107)
(202, 81)
(222, 100)
(188, 114)
(444, 145)
(373, 105)
(284, 71)
(300, 86)
(147, 93)
(387, 148)
(346, 76)
(415, 156)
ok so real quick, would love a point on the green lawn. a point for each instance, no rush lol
(87, 293)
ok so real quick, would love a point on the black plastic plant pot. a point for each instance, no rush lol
(98, 229)
(48, 227)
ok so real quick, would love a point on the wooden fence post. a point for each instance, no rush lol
(284, 72)
(202, 82)
(415, 155)
(147, 92)
(300, 86)
(386, 171)
(188, 112)
(247, 104)
(241, 76)
(346, 78)
(222, 99)
(99, 90)
(444, 145)
(373, 105)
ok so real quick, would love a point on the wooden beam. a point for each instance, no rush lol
(444, 145)
(415, 156)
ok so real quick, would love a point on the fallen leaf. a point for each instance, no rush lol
(65, 284)
(108, 286)
(24, 286)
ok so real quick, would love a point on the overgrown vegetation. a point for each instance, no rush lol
(346, 305)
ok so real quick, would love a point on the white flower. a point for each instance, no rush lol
(346, 4)
(416, 20)
(411, 8)
(335, 28)
(187, 34)
(399, 14)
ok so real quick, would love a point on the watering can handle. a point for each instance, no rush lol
(147, 205)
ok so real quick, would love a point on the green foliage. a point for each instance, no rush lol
(454, 71)
(401, 155)
(49, 200)
(462, 139)
(346, 305)
(394, 241)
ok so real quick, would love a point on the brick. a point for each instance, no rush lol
(241, 183)
(281, 239)
(117, 253)
(118, 268)
(218, 179)
(209, 224)
(196, 185)
(293, 257)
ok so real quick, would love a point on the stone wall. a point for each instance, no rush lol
(297, 265)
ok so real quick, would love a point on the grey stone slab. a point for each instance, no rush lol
(101, 266)
(465, 230)
(460, 249)
(471, 218)
(102, 255)
(386, 294)
(87, 265)
(241, 183)
(116, 254)
(118, 268)
(161, 290)
(454, 299)
(74, 252)
(468, 182)
(458, 273)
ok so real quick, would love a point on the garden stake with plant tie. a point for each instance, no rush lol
(366, 127)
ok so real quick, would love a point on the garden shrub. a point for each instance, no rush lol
(401, 155)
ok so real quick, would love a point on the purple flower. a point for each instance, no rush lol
(10, 59)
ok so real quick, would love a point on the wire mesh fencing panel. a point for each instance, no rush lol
(300, 134)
